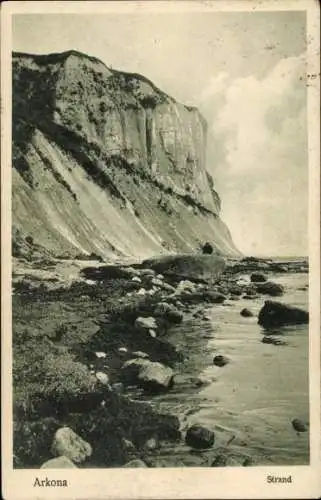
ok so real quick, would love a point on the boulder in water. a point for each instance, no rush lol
(246, 313)
(270, 288)
(299, 426)
(220, 360)
(199, 437)
(258, 278)
(269, 339)
(275, 314)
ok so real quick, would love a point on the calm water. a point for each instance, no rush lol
(250, 402)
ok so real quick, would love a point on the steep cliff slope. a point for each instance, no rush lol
(105, 162)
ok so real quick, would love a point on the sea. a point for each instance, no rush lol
(250, 402)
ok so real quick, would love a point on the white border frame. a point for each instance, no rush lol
(180, 483)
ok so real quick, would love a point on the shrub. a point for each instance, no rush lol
(62, 376)
(44, 371)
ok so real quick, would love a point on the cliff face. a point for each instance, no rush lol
(105, 162)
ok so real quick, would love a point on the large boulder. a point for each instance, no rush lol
(102, 273)
(275, 314)
(149, 375)
(59, 463)
(270, 288)
(68, 444)
(193, 267)
(199, 437)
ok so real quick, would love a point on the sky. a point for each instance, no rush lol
(246, 74)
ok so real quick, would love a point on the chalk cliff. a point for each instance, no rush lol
(105, 162)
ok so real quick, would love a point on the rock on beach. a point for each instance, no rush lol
(199, 437)
(68, 444)
(148, 374)
(275, 314)
(59, 463)
(270, 288)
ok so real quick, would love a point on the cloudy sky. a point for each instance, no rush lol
(245, 71)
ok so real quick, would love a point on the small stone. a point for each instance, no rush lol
(135, 463)
(258, 278)
(168, 288)
(268, 339)
(118, 387)
(159, 276)
(246, 313)
(128, 445)
(220, 360)
(100, 355)
(140, 354)
(59, 463)
(147, 272)
(102, 377)
(151, 444)
(248, 462)
(157, 282)
(222, 460)
(299, 426)
(122, 350)
(186, 286)
(141, 291)
(168, 312)
(146, 323)
(136, 279)
(152, 333)
(200, 381)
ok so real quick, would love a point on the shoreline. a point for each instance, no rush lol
(109, 309)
